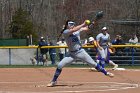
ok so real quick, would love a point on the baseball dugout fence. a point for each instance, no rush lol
(20, 55)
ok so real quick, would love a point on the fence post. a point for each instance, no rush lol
(65, 51)
(132, 56)
(37, 56)
(9, 56)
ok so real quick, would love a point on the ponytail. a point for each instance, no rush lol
(64, 28)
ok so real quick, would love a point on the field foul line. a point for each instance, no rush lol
(7, 82)
(89, 90)
(68, 82)
(102, 90)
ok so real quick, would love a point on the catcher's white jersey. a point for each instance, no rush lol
(103, 39)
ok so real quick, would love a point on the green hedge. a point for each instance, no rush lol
(13, 42)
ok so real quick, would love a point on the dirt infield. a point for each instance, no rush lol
(72, 80)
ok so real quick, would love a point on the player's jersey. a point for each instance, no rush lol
(103, 39)
(72, 40)
(62, 50)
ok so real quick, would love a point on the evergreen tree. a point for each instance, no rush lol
(21, 25)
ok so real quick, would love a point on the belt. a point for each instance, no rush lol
(76, 50)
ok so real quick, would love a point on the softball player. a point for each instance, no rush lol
(72, 36)
(103, 48)
(92, 41)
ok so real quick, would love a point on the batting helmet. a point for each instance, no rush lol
(91, 39)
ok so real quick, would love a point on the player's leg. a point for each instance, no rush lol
(97, 57)
(113, 64)
(102, 55)
(63, 62)
(107, 53)
(83, 55)
(61, 56)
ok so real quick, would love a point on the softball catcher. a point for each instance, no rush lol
(103, 49)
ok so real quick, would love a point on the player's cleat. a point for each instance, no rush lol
(110, 74)
(93, 69)
(114, 68)
(51, 84)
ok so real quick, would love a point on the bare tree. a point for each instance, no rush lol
(48, 16)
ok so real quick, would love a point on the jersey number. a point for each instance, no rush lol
(75, 39)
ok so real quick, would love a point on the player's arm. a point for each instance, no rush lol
(79, 27)
(84, 29)
(86, 44)
(98, 45)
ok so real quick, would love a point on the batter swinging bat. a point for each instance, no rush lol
(98, 16)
